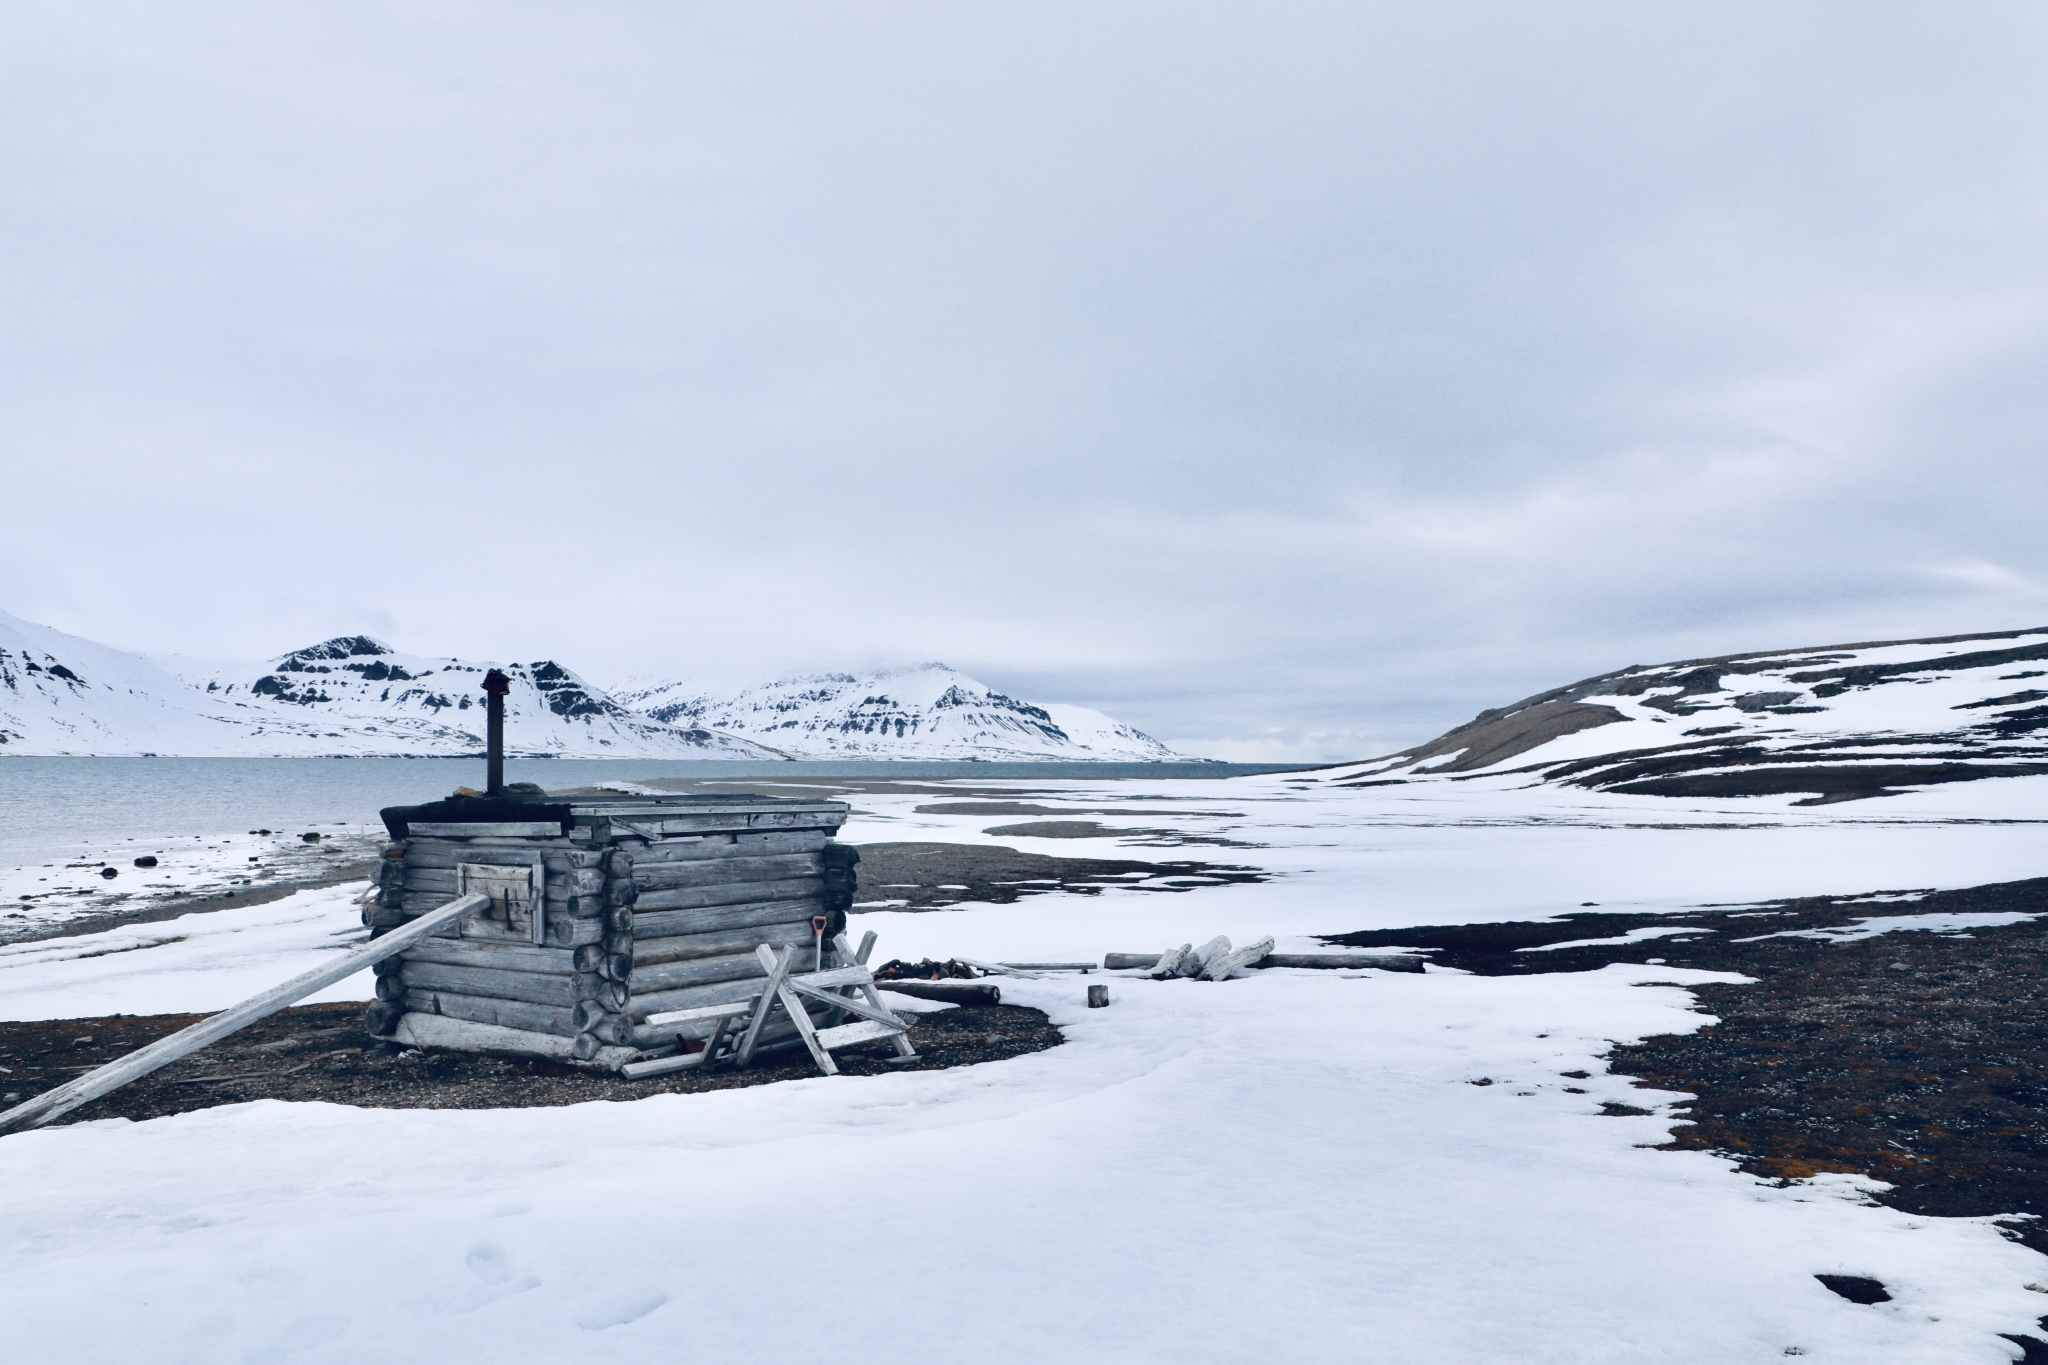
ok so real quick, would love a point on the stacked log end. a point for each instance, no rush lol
(644, 915)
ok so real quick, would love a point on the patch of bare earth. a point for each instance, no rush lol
(1918, 1058)
(320, 1053)
(935, 876)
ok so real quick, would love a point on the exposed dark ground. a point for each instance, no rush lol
(1918, 1058)
(934, 876)
(320, 1052)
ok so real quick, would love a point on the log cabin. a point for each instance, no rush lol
(605, 908)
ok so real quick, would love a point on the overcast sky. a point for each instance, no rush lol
(1289, 380)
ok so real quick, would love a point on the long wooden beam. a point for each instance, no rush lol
(56, 1103)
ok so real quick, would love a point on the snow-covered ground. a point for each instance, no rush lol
(1294, 1166)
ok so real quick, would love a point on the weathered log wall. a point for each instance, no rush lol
(642, 915)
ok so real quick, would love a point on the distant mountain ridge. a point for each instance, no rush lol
(361, 691)
(354, 695)
(929, 711)
(1829, 723)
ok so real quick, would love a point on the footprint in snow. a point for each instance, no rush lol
(489, 1263)
(617, 1307)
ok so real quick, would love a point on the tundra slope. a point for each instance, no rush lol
(1834, 723)
(926, 712)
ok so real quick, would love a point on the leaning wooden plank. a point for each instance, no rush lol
(778, 967)
(677, 975)
(881, 1014)
(725, 1011)
(835, 976)
(774, 1031)
(661, 1066)
(697, 1023)
(800, 1015)
(904, 1051)
(93, 1084)
(867, 1030)
(729, 893)
(660, 1002)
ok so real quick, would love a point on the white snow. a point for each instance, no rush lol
(201, 961)
(1632, 936)
(1293, 1166)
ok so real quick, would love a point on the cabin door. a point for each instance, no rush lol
(518, 897)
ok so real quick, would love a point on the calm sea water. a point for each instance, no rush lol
(54, 806)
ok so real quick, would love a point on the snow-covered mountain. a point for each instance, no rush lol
(353, 695)
(60, 694)
(1836, 723)
(929, 712)
(371, 699)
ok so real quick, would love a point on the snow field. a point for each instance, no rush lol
(1289, 1167)
(1294, 1166)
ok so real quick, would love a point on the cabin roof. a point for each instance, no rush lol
(581, 807)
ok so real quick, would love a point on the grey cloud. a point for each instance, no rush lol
(1288, 380)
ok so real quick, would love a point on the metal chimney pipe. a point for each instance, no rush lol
(496, 685)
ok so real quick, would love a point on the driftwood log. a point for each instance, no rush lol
(952, 992)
